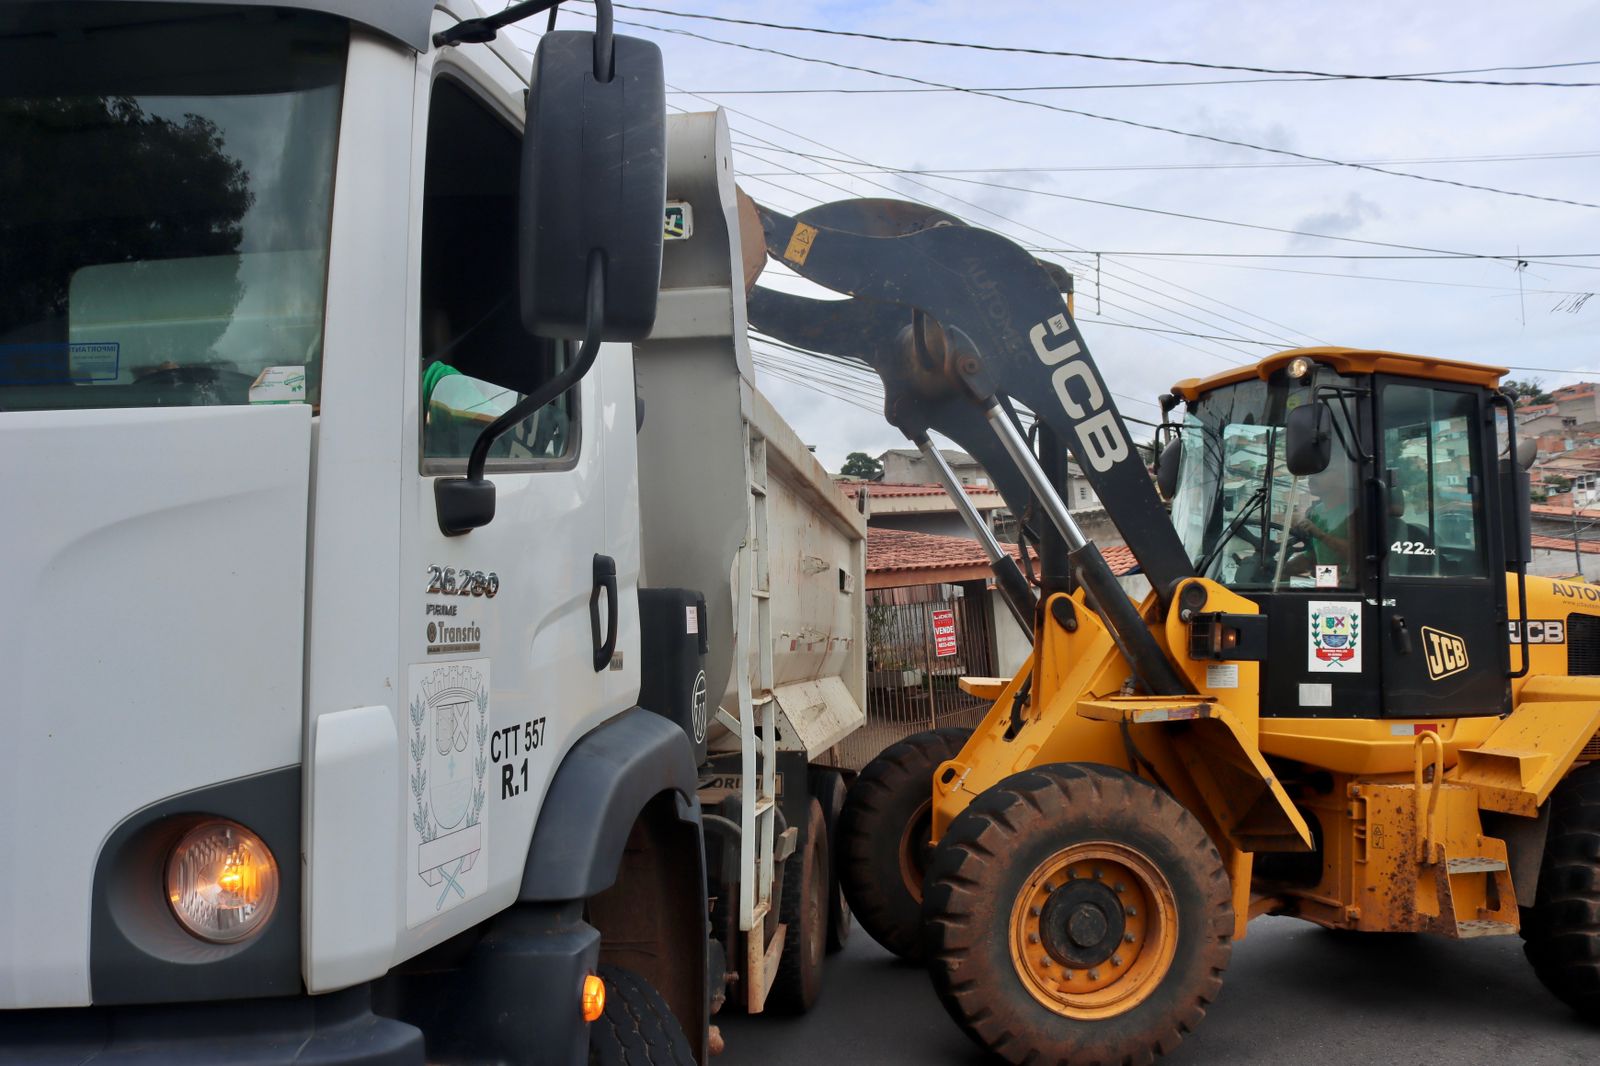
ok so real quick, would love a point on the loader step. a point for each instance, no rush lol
(1484, 927)
(1474, 864)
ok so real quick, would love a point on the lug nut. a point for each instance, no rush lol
(1098, 874)
(1094, 975)
(1116, 960)
(1133, 912)
(1035, 911)
(1118, 887)
(1033, 938)
(1127, 937)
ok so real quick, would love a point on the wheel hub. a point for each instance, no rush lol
(1093, 930)
(1082, 923)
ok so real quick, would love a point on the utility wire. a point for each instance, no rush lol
(756, 150)
(1438, 76)
(1008, 219)
(1211, 138)
(1433, 253)
(1536, 157)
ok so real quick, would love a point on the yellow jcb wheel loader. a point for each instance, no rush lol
(1343, 699)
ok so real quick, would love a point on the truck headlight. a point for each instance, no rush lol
(222, 882)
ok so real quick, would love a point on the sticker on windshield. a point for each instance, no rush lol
(79, 362)
(1334, 637)
(1327, 576)
(279, 384)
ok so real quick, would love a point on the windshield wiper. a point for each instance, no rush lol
(1228, 532)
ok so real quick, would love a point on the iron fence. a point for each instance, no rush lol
(921, 640)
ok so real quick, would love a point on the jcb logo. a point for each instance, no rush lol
(1103, 440)
(1447, 653)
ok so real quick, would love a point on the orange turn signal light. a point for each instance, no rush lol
(594, 998)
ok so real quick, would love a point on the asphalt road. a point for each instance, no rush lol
(1294, 995)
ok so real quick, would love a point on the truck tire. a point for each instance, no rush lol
(805, 911)
(1562, 932)
(883, 837)
(1074, 915)
(829, 787)
(637, 1028)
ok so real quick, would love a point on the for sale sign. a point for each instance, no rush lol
(944, 633)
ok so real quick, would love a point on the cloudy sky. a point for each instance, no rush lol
(1009, 166)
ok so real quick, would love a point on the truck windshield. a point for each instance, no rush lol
(165, 197)
(1243, 519)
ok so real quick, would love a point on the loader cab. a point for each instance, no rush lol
(1351, 495)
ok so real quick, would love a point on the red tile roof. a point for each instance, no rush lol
(932, 558)
(1564, 544)
(879, 489)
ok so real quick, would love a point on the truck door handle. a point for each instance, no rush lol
(605, 577)
(1402, 635)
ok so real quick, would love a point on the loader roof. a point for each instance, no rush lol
(1352, 361)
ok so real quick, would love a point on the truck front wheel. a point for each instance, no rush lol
(1076, 914)
(637, 1028)
(884, 837)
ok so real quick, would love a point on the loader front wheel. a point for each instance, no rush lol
(884, 833)
(1076, 914)
(1561, 931)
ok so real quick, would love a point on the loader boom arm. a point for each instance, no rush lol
(994, 303)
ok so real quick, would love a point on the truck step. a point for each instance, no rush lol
(1474, 864)
(1483, 927)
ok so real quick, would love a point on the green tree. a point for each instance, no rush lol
(862, 465)
(97, 179)
(1530, 391)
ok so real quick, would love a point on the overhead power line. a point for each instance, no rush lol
(1432, 252)
(1125, 167)
(1133, 123)
(1436, 76)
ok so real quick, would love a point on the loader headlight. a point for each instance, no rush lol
(222, 882)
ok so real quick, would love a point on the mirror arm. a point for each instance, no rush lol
(485, 29)
(465, 503)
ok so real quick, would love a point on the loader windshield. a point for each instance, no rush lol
(165, 201)
(1244, 520)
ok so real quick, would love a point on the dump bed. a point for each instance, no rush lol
(732, 502)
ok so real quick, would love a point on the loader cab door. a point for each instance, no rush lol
(1442, 602)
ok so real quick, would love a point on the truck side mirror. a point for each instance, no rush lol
(594, 182)
(1308, 439)
(1168, 460)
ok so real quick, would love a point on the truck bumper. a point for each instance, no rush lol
(338, 1029)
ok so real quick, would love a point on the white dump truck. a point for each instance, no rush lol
(420, 625)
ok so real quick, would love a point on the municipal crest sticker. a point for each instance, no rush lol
(448, 759)
(1334, 637)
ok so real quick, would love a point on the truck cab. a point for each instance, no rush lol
(275, 731)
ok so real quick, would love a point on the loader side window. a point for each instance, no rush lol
(1429, 443)
(477, 361)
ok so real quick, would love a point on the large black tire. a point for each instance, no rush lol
(1561, 933)
(884, 837)
(637, 1028)
(1034, 941)
(805, 911)
(829, 788)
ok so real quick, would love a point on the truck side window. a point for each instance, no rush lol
(1428, 443)
(477, 361)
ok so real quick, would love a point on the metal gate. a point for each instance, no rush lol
(921, 640)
